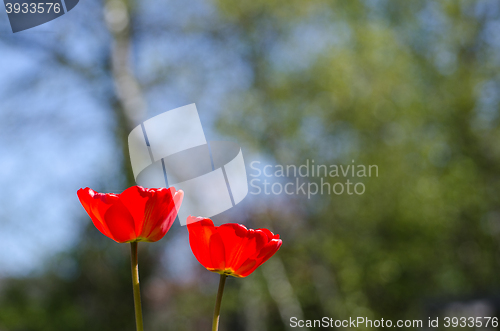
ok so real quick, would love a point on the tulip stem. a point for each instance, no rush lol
(222, 282)
(134, 262)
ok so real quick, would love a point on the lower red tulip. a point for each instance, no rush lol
(230, 249)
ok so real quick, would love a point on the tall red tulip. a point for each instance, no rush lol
(230, 250)
(137, 214)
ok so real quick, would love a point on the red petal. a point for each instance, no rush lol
(192, 220)
(269, 234)
(108, 214)
(120, 223)
(262, 254)
(200, 233)
(265, 254)
(269, 250)
(235, 238)
(217, 252)
(135, 199)
(96, 205)
(169, 202)
(251, 248)
(247, 268)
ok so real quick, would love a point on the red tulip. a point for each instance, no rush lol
(230, 249)
(137, 214)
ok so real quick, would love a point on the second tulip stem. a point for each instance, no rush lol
(222, 282)
(135, 284)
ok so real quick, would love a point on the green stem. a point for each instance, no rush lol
(215, 324)
(135, 284)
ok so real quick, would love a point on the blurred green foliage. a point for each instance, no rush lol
(410, 86)
(403, 92)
